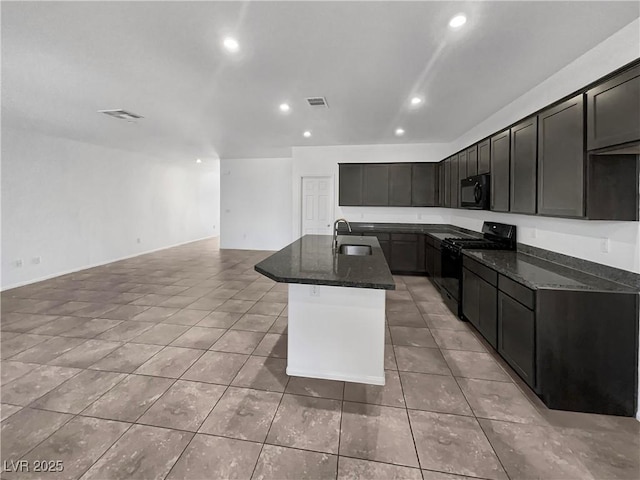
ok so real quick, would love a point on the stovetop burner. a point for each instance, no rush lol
(496, 236)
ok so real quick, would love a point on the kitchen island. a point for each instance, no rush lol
(336, 307)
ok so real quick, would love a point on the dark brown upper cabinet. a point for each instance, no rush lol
(462, 165)
(441, 181)
(524, 140)
(375, 180)
(472, 161)
(561, 156)
(500, 156)
(455, 183)
(423, 189)
(400, 185)
(613, 111)
(447, 182)
(484, 157)
(350, 184)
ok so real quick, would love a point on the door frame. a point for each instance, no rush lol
(297, 213)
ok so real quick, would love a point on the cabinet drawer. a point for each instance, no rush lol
(483, 272)
(405, 237)
(516, 291)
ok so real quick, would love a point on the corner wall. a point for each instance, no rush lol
(255, 204)
(74, 205)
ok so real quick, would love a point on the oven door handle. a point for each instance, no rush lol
(477, 192)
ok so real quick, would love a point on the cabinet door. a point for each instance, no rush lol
(500, 156)
(350, 184)
(375, 184)
(454, 188)
(404, 252)
(516, 337)
(561, 159)
(488, 312)
(447, 182)
(400, 185)
(479, 305)
(462, 166)
(484, 157)
(472, 161)
(385, 245)
(430, 259)
(613, 111)
(524, 158)
(471, 297)
(441, 181)
(421, 260)
(424, 185)
(437, 266)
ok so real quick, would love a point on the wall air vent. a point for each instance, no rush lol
(317, 102)
(122, 114)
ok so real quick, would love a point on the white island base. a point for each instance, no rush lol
(336, 333)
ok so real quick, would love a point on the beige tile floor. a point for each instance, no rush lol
(172, 365)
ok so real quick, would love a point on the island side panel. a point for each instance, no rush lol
(336, 333)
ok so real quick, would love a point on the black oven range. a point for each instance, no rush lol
(495, 236)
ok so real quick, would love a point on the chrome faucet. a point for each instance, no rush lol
(335, 232)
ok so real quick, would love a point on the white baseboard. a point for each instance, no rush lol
(337, 376)
(99, 264)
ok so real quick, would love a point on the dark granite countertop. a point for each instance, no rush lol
(537, 273)
(310, 260)
(440, 231)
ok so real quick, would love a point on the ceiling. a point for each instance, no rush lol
(63, 61)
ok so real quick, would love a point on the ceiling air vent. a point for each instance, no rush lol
(122, 114)
(317, 102)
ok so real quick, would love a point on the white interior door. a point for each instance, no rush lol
(317, 205)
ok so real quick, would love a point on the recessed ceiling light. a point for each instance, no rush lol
(306, 134)
(284, 107)
(231, 44)
(415, 101)
(198, 160)
(458, 21)
(399, 132)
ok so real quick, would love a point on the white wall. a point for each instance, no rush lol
(578, 238)
(75, 205)
(616, 51)
(255, 209)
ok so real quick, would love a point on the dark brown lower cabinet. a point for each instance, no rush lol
(385, 245)
(406, 255)
(479, 305)
(516, 337)
(587, 355)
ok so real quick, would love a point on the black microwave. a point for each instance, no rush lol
(474, 192)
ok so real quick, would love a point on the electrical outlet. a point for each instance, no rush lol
(419, 216)
(18, 263)
(534, 233)
(605, 245)
(315, 291)
(138, 240)
(35, 260)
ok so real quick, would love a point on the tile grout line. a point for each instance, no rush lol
(475, 417)
(264, 442)
(344, 389)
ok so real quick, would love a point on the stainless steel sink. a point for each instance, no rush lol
(355, 249)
